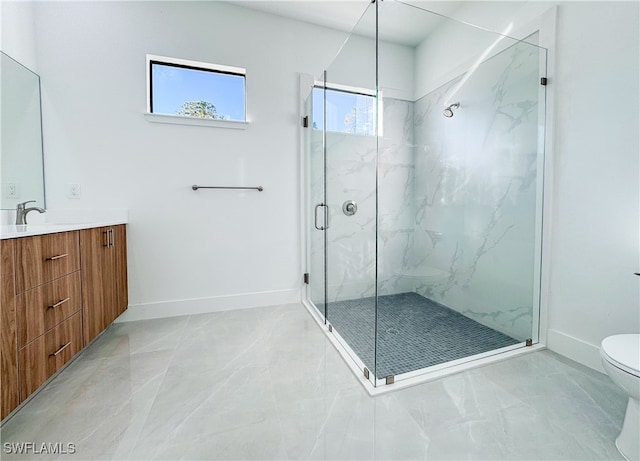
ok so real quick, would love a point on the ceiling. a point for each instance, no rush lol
(401, 23)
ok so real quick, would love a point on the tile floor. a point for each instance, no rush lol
(266, 384)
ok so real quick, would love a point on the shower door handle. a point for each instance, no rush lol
(326, 217)
(315, 217)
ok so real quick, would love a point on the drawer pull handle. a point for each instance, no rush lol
(53, 258)
(60, 350)
(59, 303)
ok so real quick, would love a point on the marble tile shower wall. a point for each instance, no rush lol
(456, 197)
(351, 240)
(475, 191)
(351, 175)
(396, 198)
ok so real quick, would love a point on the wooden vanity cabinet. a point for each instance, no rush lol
(42, 308)
(48, 306)
(104, 277)
(41, 358)
(43, 258)
(58, 292)
(8, 343)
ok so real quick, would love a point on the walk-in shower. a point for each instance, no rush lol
(423, 232)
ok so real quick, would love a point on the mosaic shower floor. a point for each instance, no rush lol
(413, 332)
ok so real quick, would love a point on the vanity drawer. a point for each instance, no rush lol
(42, 308)
(43, 258)
(47, 354)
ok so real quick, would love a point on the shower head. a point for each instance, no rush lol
(448, 112)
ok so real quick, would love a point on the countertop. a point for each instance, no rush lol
(12, 231)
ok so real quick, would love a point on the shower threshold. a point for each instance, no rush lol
(417, 340)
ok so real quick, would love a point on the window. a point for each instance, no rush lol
(195, 90)
(348, 110)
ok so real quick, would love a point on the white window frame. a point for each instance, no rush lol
(184, 120)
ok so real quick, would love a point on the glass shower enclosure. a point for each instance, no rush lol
(424, 154)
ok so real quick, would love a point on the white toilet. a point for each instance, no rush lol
(621, 360)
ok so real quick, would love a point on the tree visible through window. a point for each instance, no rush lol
(347, 111)
(195, 89)
(200, 109)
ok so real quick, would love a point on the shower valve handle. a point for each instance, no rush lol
(349, 207)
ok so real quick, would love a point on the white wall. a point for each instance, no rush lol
(596, 209)
(355, 66)
(593, 209)
(17, 34)
(454, 46)
(182, 244)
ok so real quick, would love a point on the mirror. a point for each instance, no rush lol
(21, 160)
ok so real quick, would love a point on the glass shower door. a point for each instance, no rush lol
(350, 145)
(315, 196)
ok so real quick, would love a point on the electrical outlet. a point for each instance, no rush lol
(13, 190)
(74, 190)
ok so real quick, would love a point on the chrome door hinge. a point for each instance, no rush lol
(305, 121)
(543, 81)
(305, 278)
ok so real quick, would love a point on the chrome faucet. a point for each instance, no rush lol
(21, 212)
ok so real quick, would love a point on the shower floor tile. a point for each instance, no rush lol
(414, 332)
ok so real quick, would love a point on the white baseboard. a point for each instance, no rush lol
(163, 309)
(576, 349)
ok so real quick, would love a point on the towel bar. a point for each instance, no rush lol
(258, 188)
